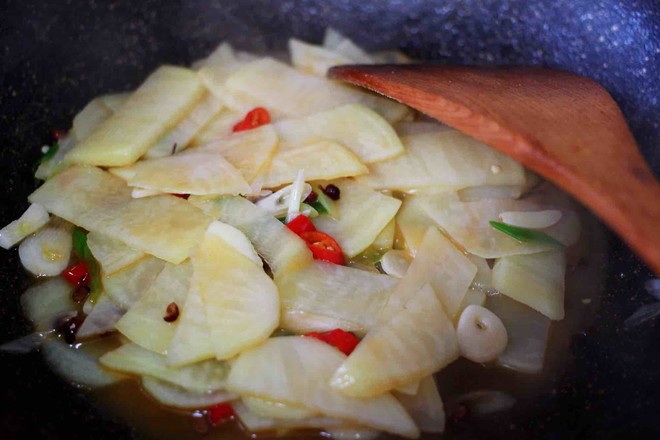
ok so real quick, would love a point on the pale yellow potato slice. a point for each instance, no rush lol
(193, 173)
(250, 151)
(175, 396)
(191, 342)
(241, 301)
(114, 101)
(362, 215)
(283, 250)
(355, 126)
(112, 254)
(126, 286)
(340, 292)
(313, 59)
(218, 127)
(385, 240)
(536, 280)
(467, 223)
(93, 114)
(425, 406)
(179, 137)
(297, 370)
(201, 377)
(446, 159)
(143, 323)
(164, 226)
(324, 160)
(276, 410)
(439, 263)
(287, 92)
(412, 222)
(166, 96)
(417, 342)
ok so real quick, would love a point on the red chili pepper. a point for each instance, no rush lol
(301, 224)
(323, 247)
(78, 274)
(343, 340)
(254, 118)
(220, 413)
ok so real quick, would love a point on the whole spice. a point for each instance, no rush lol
(311, 198)
(331, 191)
(171, 313)
(69, 327)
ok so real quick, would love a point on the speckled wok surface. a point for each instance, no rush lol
(56, 55)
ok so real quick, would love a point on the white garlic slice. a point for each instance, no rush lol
(395, 263)
(47, 252)
(481, 335)
(531, 219)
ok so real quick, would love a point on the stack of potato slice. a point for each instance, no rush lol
(402, 186)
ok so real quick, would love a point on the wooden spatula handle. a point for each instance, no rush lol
(563, 126)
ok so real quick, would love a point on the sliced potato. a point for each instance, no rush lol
(128, 285)
(412, 222)
(340, 292)
(200, 377)
(143, 323)
(114, 101)
(362, 215)
(250, 151)
(179, 137)
(448, 160)
(283, 250)
(93, 114)
(53, 165)
(439, 263)
(536, 280)
(314, 59)
(154, 108)
(236, 239)
(218, 127)
(416, 342)
(192, 338)
(164, 226)
(194, 173)
(385, 240)
(467, 223)
(175, 396)
(276, 410)
(300, 323)
(287, 92)
(296, 370)
(112, 254)
(425, 407)
(355, 126)
(324, 160)
(102, 319)
(241, 301)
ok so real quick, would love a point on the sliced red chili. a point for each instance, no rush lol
(254, 118)
(323, 247)
(78, 274)
(58, 134)
(342, 340)
(301, 224)
(220, 413)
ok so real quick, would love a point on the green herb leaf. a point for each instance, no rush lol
(525, 235)
(80, 245)
(319, 207)
(81, 249)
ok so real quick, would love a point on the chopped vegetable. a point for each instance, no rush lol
(32, 219)
(254, 118)
(532, 220)
(301, 224)
(524, 234)
(323, 247)
(417, 341)
(47, 252)
(78, 274)
(481, 335)
(342, 340)
(220, 413)
(175, 396)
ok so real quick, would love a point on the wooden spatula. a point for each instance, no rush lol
(563, 126)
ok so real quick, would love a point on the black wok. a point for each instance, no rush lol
(55, 56)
